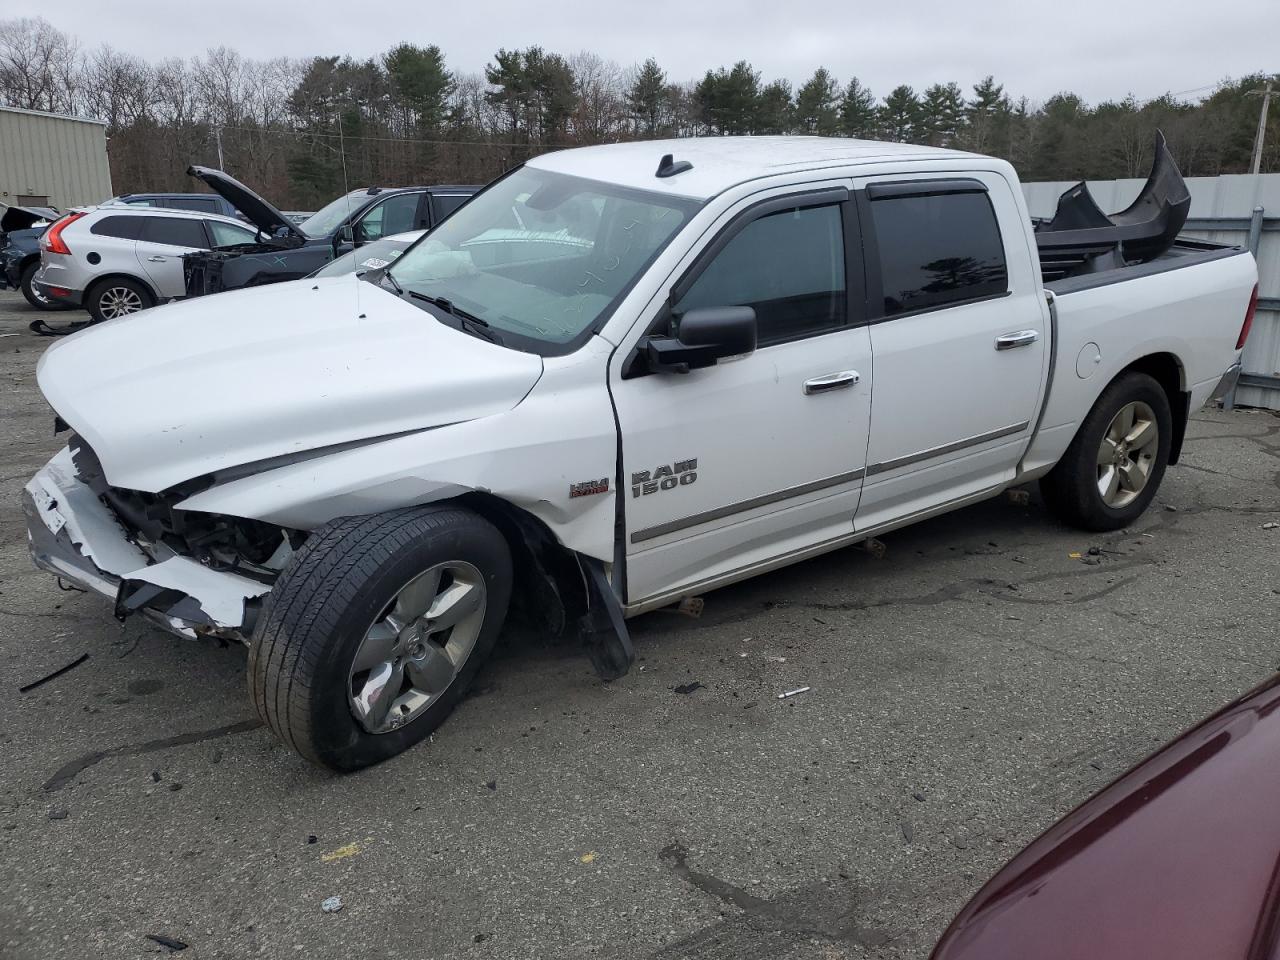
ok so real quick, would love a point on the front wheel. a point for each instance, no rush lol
(1112, 469)
(375, 629)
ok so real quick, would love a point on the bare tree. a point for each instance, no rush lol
(39, 65)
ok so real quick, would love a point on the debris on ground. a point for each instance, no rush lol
(331, 904)
(587, 857)
(492, 784)
(918, 796)
(1271, 525)
(775, 659)
(874, 547)
(169, 943)
(688, 687)
(349, 850)
(1095, 551)
(59, 813)
(57, 673)
(312, 838)
(1170, 508)
(792, 693)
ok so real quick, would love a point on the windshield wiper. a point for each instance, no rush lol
(394, 283)
(466, 321)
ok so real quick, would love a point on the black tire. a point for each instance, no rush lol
(328, 595)
(34, 296)
(1071, 491)
(96, 300)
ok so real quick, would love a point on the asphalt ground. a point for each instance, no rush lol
(968, 688)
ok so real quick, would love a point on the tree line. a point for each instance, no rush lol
(299, 130)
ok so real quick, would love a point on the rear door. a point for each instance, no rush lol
(161, 244)
(959, 337)
(759, 457)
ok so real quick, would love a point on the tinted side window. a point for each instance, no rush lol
(446, 203)
(175, 232)
(194, 203)
(789, 266)
(937, 250)
(125, 228)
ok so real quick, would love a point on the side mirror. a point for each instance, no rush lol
(702, 337)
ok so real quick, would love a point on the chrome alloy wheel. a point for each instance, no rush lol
(1127, 454)
(417, 647)
(119, 302)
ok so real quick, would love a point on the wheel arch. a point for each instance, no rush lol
(1167, 370)
(550, 588)
(97, 282)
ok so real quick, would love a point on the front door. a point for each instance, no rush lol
(760, 457)
(958, 329)
(160, 247)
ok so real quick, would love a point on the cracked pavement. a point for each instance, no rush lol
(968, 688)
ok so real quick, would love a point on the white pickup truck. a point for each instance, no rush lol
(617, 377)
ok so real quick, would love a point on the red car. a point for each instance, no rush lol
(1179, 859)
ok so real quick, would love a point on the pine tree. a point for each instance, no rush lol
(818, 104)
(858, 111)
(648, 98)
(900, 116)
(941, 114)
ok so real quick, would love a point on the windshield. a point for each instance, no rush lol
(542, 256)
(329, 217)
(371, 256)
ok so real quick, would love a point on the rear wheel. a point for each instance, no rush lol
(33, 294)
(1115, 464)
(375, 629)
(117, 297)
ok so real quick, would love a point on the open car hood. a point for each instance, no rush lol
(260, 213)
(180, 391)
(21, 218)
(1178, 859)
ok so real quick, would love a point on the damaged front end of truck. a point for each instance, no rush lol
(196, 575)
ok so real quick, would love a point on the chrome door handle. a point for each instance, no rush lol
(832, 381)
(1019, 338)
(156, 259)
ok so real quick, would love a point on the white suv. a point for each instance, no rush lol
(117, 259)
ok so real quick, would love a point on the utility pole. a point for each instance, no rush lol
(1261, 135)
(217, 136)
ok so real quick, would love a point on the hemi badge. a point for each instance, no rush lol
(589, 488)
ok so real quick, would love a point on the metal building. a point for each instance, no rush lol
(1241, 209)
(51, 160)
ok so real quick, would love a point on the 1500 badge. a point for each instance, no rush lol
(666, 477)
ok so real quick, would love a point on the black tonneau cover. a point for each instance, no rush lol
(1081, 239)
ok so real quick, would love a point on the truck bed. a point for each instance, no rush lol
(1185, 252)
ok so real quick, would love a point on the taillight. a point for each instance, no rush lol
(1248, 318)
(52, 240)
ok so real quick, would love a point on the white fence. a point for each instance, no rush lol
(1239, 209)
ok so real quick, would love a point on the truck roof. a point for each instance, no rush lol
(723, 162)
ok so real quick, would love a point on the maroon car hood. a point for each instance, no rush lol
(1179, 859)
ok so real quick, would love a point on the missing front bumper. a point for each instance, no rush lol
(74, 536)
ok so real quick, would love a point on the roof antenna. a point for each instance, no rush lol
(668, 167)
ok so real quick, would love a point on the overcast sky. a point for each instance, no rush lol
(1100, 50)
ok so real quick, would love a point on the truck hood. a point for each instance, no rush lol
(260, 213)
(184, 390)
(1178, 859)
